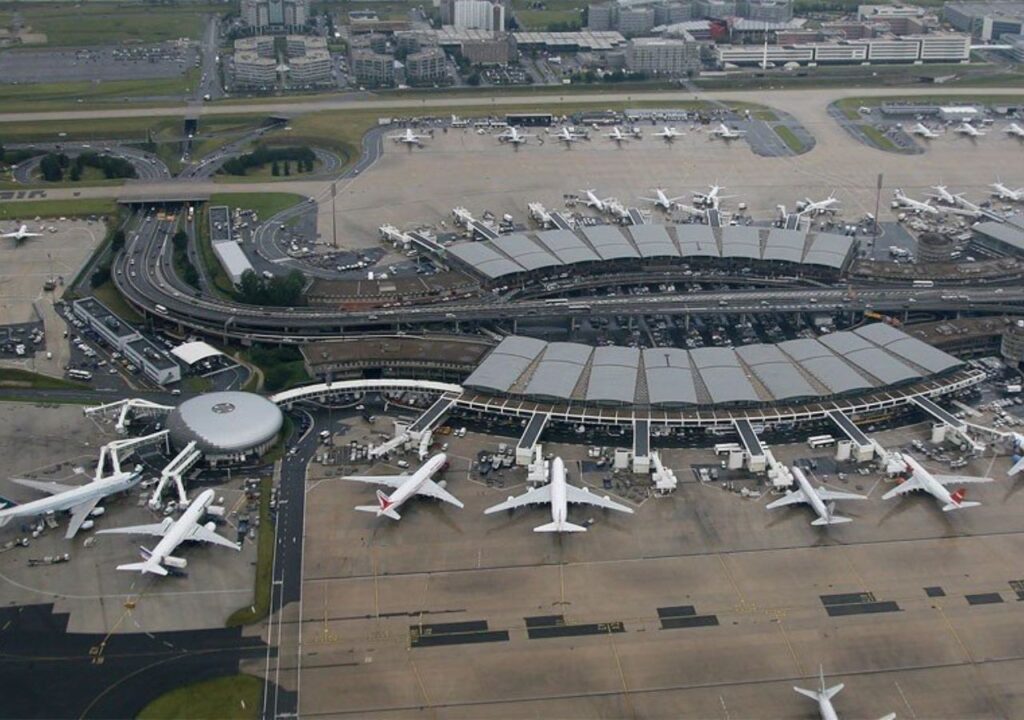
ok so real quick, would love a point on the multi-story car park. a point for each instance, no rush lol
(121, 336)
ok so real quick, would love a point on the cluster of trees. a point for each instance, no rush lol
(13, 157)
(281, 159)
(182, 263)
(280, 365)
(53, 166)
(276, 291)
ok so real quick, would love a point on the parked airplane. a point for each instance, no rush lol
(727, 133)
(668, 133)
(569, 136)
(913, 205)
(614, 207)
(924, 131)
(173, 533)
(513, 136)
(711, 198)
(559, 494)
(662, 200)
(20, 234)
(618, 136)
(943, 195)
(409, 138)
(916, 477)
(407, 486)
(594, 201)
(823, 696)
(822, 500)
(1004, 193)
(1018, 454)
(80, 500)
(969, 130)
(1014, 129)
(810, 207)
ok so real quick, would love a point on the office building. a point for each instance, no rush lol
(309, 62)
(663, 56)
(447, 11)
(936, 47)
(253, 70)
(260, 45)
(601, 17)
(156, 364)
(274, 15)
(372, 69)
(1016, 43)
(425, 66)
(716, 9)
(769, 11)
(479, 15)
(986, 20)
(636, 21)
(668, 13)
(885, 12)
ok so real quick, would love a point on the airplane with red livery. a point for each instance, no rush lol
(406, 487)
(915, 477)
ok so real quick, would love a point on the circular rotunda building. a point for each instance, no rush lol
(226, 426)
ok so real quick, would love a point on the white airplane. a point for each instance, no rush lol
(924, 131)
(22, 233)
(823, 696)
(1014, 129)
(80, 500)
(943, 195)
(915, 206)
(559, 494)
(406, 486)
(668, 133)
(662, 200)
(727, 133)
(569, 136)
(173, 533)
(969, 130)
(917, 478)
(595, 202)
(810, 207)
(614, 207)
(711, 198)
(514, 137)
(1018, 454)
(408, 137)
(822, 500)
(618, 136)
(1004, 193)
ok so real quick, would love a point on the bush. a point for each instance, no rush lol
(303, 156)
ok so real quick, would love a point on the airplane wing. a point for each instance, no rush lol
(50, 488)
(531, 497)
(579, 495)
(1016, 468)
(960, 479)
(432, 489)
(904, 487)
(826, 494)
(389, 480)
(790, 498)
(201, 533)
(79, 514)
(158, 529)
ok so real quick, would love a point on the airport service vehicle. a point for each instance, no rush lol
(558, 493)
(915, 477)
(408, 138)
(820, 441)
(173, 533)
(821, 499)
(823, 696)
(662, 200)
(406, 486)
(22, 233)
(80, 500)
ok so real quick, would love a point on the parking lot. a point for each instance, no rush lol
(99, 64)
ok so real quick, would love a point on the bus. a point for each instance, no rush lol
(726, 448)
(924, 283)
(80, 375)
(820, 441)
(160, 309)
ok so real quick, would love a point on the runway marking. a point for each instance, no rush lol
(423, 688)
(622, 676)
(945, 618)
(732, 580)
(905, 700)
(789, 645)
(725, 709)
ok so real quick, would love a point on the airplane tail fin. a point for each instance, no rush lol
(146, 566)
(832, 520)
(1017, 467)
(960, 506)
(383, 507)
(812, 694)
(958, 501)
(831, 692)
(556, 527)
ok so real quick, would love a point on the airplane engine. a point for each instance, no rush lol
(175, 562)
(97, 511)
(215, 510)
(88, 525)
(211, 526)
(442, 483)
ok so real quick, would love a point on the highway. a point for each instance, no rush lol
(147, 165)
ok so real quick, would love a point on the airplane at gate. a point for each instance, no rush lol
(727, 133)
(406, 487)
(22, 233)
(558, 493)
(409, 138)
(821, 499)
(662, 200)
(922, 130)
(668, 133)
(915, 477)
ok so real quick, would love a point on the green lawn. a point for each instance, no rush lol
(108, 295)
(102, 23)
(266, 204)
(849, 105)
(235, 697)
(878, 138)
(766, 115)
(74, 95)
(16, 378)
(790, 138)
(57, 208)
(264, 563)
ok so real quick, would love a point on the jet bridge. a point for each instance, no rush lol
(531, 434)
(641, 446)
(560, 221)
(755, 451)
(429, 420)
(862, 444)
(948, 422)
(636, 216)
(117, 450)
(175, 470)
(122, 408)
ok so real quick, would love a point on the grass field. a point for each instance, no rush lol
(234, 697)
(849, 105)
(57, 208)
(17, 378)
(766, 115)
(108, 295)
(101, 23)
(264, 562)
(878, 138)
(530, 17)
(266, 204)
(45, 96)
(788, 137)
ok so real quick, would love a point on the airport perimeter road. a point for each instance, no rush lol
(147, 165)
(782, 98)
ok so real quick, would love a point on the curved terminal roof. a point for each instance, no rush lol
(806, 369)
(523, 253)
(225, 422)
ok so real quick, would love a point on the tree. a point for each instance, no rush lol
(180, 240)
(100, 276)
(117, 240)
(287, 168)
(76, 172)
(473, 79)
(50, 168)
(275, 169)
